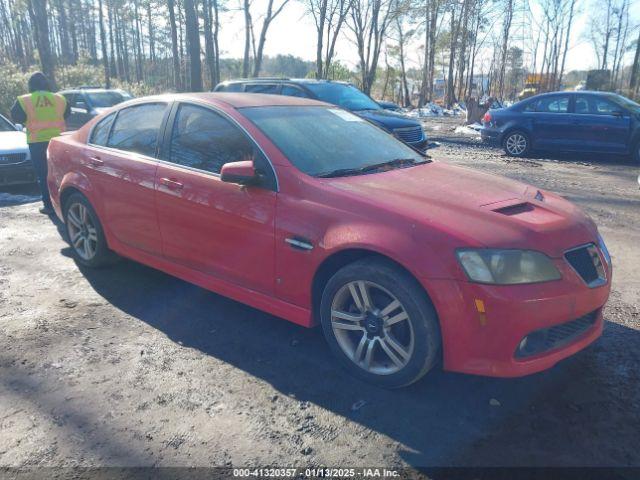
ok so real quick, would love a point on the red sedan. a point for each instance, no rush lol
(308, 212)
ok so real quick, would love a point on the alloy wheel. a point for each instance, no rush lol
(372, 327)
(516, 144)
(82, 231)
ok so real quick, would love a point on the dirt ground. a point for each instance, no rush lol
(127, 366)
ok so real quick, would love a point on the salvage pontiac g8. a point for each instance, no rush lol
(310, 213)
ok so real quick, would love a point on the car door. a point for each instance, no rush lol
(220, 229)
(72, 122)
(601, 125)
(122, 160)
(552, 123)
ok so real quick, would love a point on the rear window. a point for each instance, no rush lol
(100, 133)
(262, 88)
(136, 128)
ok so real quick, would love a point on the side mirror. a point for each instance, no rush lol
(19, 127)
(618, 113)
(243, 173)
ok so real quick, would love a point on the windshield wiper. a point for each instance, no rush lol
(396, 162)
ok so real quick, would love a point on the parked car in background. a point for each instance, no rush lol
(341, 94)
(391, 106)
(15, 160)
(87, 102)
(579, 121)
(311, 213)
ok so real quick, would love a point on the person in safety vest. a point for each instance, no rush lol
(43, 113)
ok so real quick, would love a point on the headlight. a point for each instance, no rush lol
(507, 267)
(604, 249)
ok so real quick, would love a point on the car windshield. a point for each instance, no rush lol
(5, 125)
(343, 95)
(105, 99)
(322, 141)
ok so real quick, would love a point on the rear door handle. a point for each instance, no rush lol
(171, 184)
(96, 161)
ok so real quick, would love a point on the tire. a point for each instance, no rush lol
(85, 233)
(362, 341)
(516, 143)
(636, 153)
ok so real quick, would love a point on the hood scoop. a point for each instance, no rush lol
(517, 209)
(529, 213)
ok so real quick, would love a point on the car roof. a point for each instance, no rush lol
(242, 100)
(90, 90)
(283, 80)
(574, 92)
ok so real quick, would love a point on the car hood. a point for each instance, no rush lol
(477, 209)
(387, 119)
(13, 142)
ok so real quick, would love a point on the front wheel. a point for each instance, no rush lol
(380, 323)
(516, 144)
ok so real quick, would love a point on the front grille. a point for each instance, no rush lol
(555, 337)
(586, 262)
(12, 158)
(409, 134)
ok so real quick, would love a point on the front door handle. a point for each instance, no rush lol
(171, 184)
(96, 161)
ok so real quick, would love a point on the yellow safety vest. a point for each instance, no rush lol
(45, 115)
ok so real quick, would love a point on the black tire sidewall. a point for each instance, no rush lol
(103, 255)
(413, 298)
(526, 137)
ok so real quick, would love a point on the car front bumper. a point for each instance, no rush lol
(487, 342)
(17, 174)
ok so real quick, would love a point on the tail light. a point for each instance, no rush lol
(486, 118)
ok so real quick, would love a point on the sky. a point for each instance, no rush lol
(293, 32)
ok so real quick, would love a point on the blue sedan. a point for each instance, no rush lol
(566, 121)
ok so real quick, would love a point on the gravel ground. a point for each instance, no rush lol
(127, 366)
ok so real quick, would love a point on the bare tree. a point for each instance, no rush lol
(103, 44)
(369, 21)
(329, 17)
(506, 29)
(269, 16)
(193, 45)
(38, 15)
(174, 45)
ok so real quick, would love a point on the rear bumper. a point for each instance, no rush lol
(487, 344)
(491, 136)
(20, 173)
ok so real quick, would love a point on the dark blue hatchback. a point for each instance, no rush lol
(566, 121)
(342, 94)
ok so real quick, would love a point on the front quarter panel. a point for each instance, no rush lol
(332, 226)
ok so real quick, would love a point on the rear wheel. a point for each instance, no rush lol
(516, 144)
(380, 323)
(85, 233)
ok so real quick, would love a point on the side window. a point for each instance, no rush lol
(582, 105)
(262, 88)
(136, 128)
(604, 107)
(229, 87)
(100, 132)
(205, 140)
(531, 106)
(555, 104)
(292, 91)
